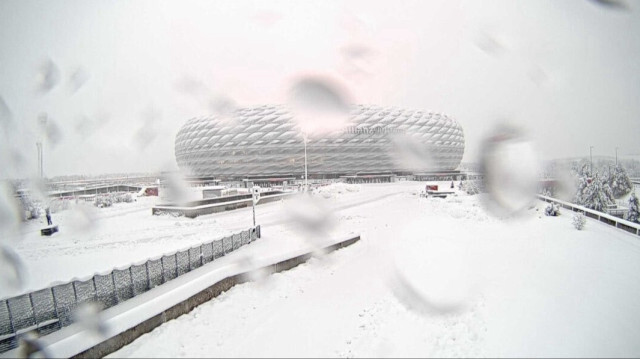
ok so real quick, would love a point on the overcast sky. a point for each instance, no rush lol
(130, 73)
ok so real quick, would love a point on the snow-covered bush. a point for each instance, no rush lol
(103, 201)
(579, 221)
(108, 199)
(552, 210)
(620, 182)
(31, 209)
(471, 187)
(633, 208)
(123, 198)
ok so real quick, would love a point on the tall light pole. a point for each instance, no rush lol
(42, 122)
(306, 181)
(39, 146)
(590, 161)
(616, 156)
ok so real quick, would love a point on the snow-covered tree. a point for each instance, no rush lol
(594, 193)
(579, 221)
(619, 182)
(633, 208)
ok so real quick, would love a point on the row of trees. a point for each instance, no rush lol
(600, 189)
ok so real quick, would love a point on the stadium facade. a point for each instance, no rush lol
(265, 141)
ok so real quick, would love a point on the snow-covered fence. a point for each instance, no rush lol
(50, 309)
(126, 322)
(600, 216)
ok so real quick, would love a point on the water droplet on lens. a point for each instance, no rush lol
(30, 346)
(77, 79)
(48, 76)
(12, 269)
(510, 166)
(90, 318)
(319, 105)
(409, 154)
(223, 107)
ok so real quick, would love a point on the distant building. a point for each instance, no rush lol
(264, 142)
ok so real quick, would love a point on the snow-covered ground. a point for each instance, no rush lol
(430, 277)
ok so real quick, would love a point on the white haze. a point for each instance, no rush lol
(118, 78)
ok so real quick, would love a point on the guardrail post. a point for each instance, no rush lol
(11, 325)
(75, 292)
(95, 289)
(164, 280)
(148, 278)
(201, 256)
(115, 288)
(33, 310)
(55, 308)
(224, 250)
(175, 256)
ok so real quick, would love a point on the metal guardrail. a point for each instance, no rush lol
(600, 216)
(50, 309)
(142, 314)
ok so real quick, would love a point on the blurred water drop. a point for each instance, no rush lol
(82, 219)
(6, 117)
(84, 126)
(489, 44)
(538, 75)
(311, 218)
(12, 269)
(17, 159)
(312, 215)
(38, 190)
(409, 154)
(510, 167)
(319, 105)
(437, 285)
(77, 79)
(359, 61)
(565, 184)
(30, 346)
(174, 188)
(223, 108)
(10, 211)
(254, 273)
(189, 86)
(357, 51)
(89, 316)
(49, 129)
(613, 4)
(144, 136)
(48, 76)
(147, 133)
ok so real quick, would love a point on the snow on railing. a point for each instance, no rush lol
(53, 308)
(600, 216)
(126, 322)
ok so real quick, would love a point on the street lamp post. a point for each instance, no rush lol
(590, 161)
(306, 181)
(616, 156)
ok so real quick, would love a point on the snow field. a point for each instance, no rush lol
(430, 277)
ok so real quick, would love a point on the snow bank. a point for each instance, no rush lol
(430, 277)
(335, 189)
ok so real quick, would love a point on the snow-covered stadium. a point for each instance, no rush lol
(266, 141)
